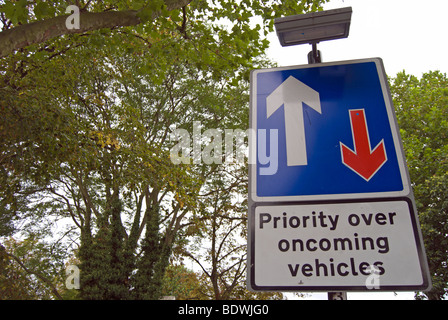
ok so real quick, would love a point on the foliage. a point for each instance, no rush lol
(218, 236)
(181, 283)
(31, 269)
(111, 162)
(19, 32)
(86, 122)
(422, 112)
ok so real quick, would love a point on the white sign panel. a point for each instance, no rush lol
(354, 246)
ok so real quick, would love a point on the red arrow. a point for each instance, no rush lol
(363, 160)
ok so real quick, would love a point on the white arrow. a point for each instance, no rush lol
(292, 93)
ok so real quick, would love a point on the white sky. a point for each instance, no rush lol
(408, 35)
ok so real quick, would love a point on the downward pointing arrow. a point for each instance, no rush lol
(291, 94)
(363, 160)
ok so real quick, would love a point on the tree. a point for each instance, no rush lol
(110, 170)
(19, 14)
(26, 23)
(219, 234)
(31, 269)
(219, 247)
(181, 283)
(422, 109)
(86, 120)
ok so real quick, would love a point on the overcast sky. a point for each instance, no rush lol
(408, 35)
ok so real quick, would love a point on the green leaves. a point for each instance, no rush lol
(86, 123)
(422, 110)
(43, 10)
(17, 12)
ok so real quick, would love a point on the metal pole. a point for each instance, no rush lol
(314, 56)
(337, 295)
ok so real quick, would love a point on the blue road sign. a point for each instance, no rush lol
(325, 131)
(328, 156)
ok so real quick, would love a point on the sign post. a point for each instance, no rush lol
(330, 201)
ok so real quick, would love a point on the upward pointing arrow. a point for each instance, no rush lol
(292, 93)
(364, 161)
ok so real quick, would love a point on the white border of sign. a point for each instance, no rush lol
(394, 129)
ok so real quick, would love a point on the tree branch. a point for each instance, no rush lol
(41, 31)
(188, 254)
(37, 274)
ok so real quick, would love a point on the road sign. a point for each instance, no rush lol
(336, 130)
(330, 202)
(346, 246)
